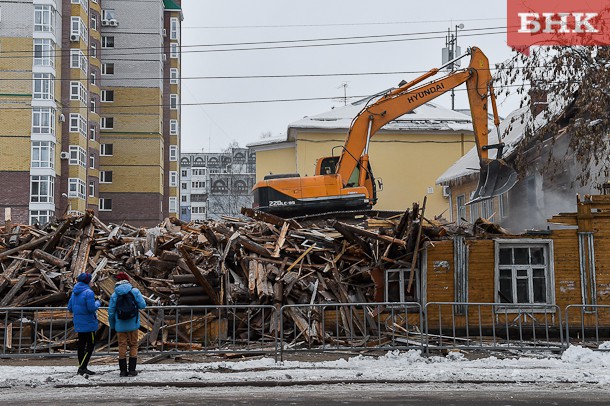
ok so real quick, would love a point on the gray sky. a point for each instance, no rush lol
(212, 127)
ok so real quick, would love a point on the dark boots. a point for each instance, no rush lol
(132, 366)
(123, 366)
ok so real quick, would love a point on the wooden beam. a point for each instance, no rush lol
(198, 275)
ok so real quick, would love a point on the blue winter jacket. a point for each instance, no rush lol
(83, 305)
(124, 326)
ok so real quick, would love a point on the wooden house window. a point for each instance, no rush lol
(524, 271)
(461, 209)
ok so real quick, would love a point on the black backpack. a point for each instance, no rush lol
(126, 307)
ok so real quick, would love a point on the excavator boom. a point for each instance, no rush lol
(348, 182)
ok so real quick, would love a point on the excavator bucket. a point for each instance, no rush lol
(496, 177)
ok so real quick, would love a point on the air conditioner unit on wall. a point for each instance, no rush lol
(446, 191)
(113, 23)
(164, 32)
(74, 37)
(105, 23)
(64, 155)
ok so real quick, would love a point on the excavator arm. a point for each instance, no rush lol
(496, 176)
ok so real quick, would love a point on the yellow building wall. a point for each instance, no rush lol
(408, 164)
(282, 160)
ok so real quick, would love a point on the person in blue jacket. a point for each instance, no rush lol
(83, 306)
(125, 301)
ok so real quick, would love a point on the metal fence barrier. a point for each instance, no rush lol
(588, 325)
(164, 329)
(345, 327)
(350, 327)
(493, 326)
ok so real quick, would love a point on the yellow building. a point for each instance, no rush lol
(408, 154)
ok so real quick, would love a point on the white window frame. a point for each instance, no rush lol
(78, 156)
(93, 105)
(37, 215)
(78, 60)
(173, 152)
(174, 76)
(105, 94)
(174, 101)
(91, 188)
(93, 50)
(105, 69)
(173, 205)
(78, 124)
(43, 120)
(93, 78)
(92, 133)
(108, 14)
(104, 125)
(44, 18)
(106, 41)
(173, 127)
(79, 28)
(173, 178)
(104, 177)
(460, 209)
(91, 161)
(76, 188)
(198, 171)
(105, 204)
(198, 184)
(173, 50)
(93, 23)
(106, 149)
(174, 29)
(83, 3)
(46, 189)
(547, 245)
(43, 87)
(44, 52)
(43, 154)
(78, 91)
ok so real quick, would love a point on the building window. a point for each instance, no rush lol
(93, 76)
(40, 216)
(108, 69)
(173, 152)
(93, 50)
(105, 204)
(524, 271)
(78, 29)
(94, 22)
(91, 188)
(487, 210)
(503, 200)
(105, 176)
(198, 185)
(78, 60)
(184, 173)
(198, 210)
(78, 92)
(107, 123)
(173, 178)
(108, 14)
(42, 189)
(173, 101)
(198, 172)
(461, 209)
(475, 212)
(107, 41)
(83, 3)
(44, 86)
(173, 127)
(44, 52)
(78, 156)
(174, 29)
(43, 154)
(184, 185)
(173, 76)
(241, 187)
(93, 104)
(43, 120)
(199, 198)
(92, 133)
(78, 124)
(44, 18)
(106, 149)
(92, 161)
(173, 50)
(107, 96)
(76, 188)
(173, 205)
(184, 198)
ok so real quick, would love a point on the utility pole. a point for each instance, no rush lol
(450, 52)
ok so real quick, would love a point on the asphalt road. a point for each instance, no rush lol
(327, 395)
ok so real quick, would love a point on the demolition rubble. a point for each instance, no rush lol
(257, 259)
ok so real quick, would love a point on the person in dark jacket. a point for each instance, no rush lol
(127, 330)
(83, 306)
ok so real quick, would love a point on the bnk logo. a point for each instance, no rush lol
(560, 22)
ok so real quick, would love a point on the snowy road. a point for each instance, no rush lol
(579, 376)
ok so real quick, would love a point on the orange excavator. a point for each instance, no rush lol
(346, 182)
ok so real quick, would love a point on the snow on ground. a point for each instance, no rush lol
(576, 365)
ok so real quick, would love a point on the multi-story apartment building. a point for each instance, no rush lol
(216, 184)
(90, 108)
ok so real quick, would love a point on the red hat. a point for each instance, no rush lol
(121, 276)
